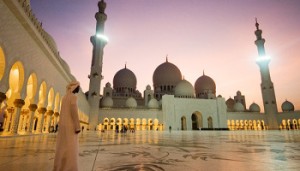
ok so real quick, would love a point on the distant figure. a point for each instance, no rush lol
(82, 128)
(2, 113)
(56, 127)
(170, 129)
(66, 154)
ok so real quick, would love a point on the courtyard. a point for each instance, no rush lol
(160, 151)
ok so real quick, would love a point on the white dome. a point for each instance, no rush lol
(124, 78)
(153, 104)
(108, 85)
(166, 74)
(184, 89)
(238, 107)
(148, 87)
(204, 84)
(254, 107)
(131, 103)
(107, 102)
(287, 106)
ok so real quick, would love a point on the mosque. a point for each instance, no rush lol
(33, 77)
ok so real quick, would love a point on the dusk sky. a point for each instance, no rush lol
(216, 36)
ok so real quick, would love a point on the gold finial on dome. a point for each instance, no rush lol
(167, 58)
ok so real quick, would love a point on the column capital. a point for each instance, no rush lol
(33, 107)
(19, 103)
(42, 110)
(56, 114)
(50, 112)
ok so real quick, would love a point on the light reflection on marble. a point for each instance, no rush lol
(160, 151)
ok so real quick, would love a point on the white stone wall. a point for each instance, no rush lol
(175, 108)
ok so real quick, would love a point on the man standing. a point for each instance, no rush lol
(66, 154)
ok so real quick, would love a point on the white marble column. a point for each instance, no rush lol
(42, 112)
(32, 108)
(8, 121)
(15, 122)
(49, 114)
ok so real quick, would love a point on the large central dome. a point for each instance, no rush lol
(166, 74)
(124, 78)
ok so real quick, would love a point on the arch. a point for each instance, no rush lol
(183, 123)
(138, 121)
(210, 122)
(131, 121)
(125, 121)
(50, 99)
(31, 88)
(196, 121)
(56, 102)
(155, 122)
(42, 94)
(16, 80)
(2, 63)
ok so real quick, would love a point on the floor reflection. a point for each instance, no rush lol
(142, 150)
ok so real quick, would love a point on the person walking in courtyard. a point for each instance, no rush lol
(66, 154)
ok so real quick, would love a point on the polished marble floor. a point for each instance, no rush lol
(160, 151)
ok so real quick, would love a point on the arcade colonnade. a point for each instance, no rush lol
(29, 104)
(131, 124)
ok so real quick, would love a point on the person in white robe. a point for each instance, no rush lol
(66, 154)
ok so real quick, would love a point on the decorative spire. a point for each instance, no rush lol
(203, 72)
(125, 65)
(256, 24)
(167, 58)
(101, 6)
(258, 32)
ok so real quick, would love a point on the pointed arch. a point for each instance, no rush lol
(183, 123)
(197, 121)
(16, 80)
(50, 99)
(42, 94)
(210, 122)
(2, 63)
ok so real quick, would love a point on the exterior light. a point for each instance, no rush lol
(263, 58)
(102, 37)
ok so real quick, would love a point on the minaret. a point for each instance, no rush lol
(267, 87)
(98, 41)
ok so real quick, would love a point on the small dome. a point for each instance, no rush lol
(184, 89)
(131, 103)
(287, 106)
(108, 85)
(238, 107)
(219, 96)
(148, 87)
(166, 74)
(254, 108)
(204, 84)
(124, 78)
(230, 105)
(153, 104)
(107, 102)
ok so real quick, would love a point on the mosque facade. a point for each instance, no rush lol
(33, 77)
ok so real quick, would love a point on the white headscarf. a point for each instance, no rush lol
(72, 86)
